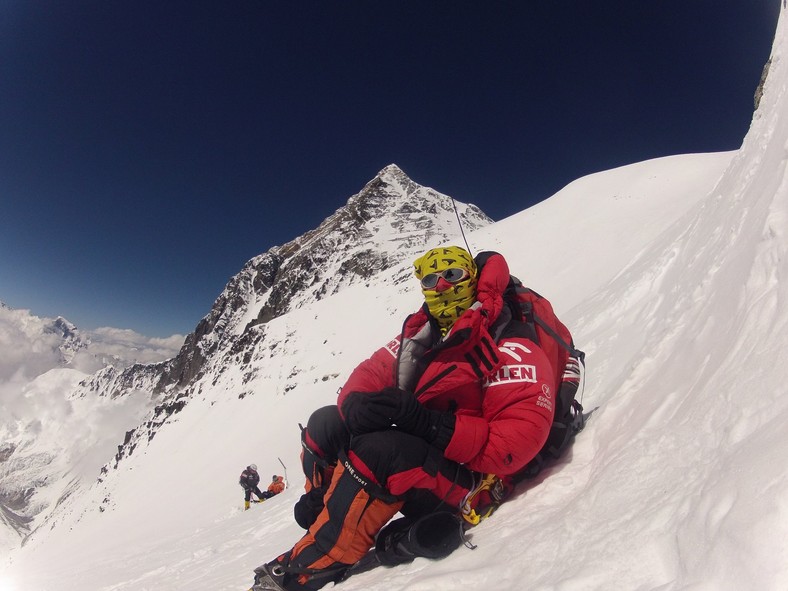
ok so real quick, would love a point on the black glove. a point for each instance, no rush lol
(434, 426)
(365, 412)
(374, 411)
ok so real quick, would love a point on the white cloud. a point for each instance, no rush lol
(127, 344)
(26, 350)
(29, 347)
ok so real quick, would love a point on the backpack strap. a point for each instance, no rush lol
(529, 314)
(568, 346)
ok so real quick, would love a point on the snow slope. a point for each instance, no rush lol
(673, 276)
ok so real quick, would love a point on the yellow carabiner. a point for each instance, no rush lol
(473, 517)
(469, 514)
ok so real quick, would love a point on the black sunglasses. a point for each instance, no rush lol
(452, 275)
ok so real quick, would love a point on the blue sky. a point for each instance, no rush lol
(149, 149)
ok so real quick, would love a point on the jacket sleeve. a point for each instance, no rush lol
(517, 412)
(373, 374)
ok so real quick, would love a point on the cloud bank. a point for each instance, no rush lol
(31, 345)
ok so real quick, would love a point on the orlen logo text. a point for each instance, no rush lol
(512, 374)
(393, 347)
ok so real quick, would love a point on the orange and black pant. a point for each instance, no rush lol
(248, 493)
(363, 481)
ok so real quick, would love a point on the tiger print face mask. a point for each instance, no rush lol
(448, 305)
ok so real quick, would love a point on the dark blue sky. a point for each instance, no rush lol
(148, 149)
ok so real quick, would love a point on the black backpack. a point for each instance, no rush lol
(534, 315)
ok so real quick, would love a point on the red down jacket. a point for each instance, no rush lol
(498, 383)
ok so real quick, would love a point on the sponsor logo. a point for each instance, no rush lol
(393, 347)
(350, 470)
(545, 399)
(511, 348)
(509, 374)
(544, 403)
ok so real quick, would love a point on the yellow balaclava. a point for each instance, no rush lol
(447, 306)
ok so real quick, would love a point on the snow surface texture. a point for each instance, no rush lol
(673, 276)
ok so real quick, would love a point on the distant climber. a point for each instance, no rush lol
(249, 480)
(277, 485)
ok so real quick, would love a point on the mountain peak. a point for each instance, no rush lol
(391, 220)
(392, 173)
(390, 169)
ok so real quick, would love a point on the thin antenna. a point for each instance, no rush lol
(459, 222)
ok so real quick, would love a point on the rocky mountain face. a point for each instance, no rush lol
(391, 220)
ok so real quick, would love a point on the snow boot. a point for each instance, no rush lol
(276, 576)
(435, 535)
(246, 505)
(265, 580)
